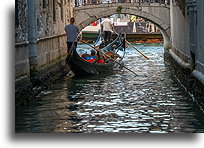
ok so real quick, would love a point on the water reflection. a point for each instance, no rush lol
(153, 102)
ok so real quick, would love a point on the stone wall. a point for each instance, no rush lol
(21, 39)
(186, 78)
(40, 44)
(22, 60)
(52, 50)
(52, 16)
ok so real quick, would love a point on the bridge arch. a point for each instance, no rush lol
(155, 13)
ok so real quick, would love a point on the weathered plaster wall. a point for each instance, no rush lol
(21, 27)
(40, 44)
(187, 53)
(47, 40)
(187, 39)
(187, 35)
(200, 37)
(52, 17)
(22, 68)
(179, 32)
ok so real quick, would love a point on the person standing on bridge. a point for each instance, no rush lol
(72, 31)
(107, 29)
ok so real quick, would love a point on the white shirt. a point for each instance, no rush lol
(107, 24)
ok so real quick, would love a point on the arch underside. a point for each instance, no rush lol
(86, 17)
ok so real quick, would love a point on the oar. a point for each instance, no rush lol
(135, 48)
(138, 50)
(109, 57)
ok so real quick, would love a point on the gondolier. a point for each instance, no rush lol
(72, 32)
(107, 29)
(85, 64)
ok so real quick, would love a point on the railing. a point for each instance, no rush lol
(98, 2)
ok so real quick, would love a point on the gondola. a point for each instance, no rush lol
(81, 67)
(99, 40)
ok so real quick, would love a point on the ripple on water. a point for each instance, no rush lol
(153, 102)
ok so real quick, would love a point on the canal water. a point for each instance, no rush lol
(152, 102)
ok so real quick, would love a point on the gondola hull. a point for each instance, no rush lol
(81, 67)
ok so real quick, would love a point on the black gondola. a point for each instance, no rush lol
(81, 67)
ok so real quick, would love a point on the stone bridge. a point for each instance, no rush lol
(158, 14)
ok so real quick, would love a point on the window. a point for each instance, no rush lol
(16, 14)
(62, 10)
(54, 11)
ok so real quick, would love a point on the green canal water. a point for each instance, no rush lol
(153, 102)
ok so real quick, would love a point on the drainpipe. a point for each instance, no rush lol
(32, 34)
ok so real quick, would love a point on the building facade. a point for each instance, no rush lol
(187, 35)
(187, 44)
(199, 50)
(40, 39)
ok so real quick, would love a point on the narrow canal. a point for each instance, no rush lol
(153, 102)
